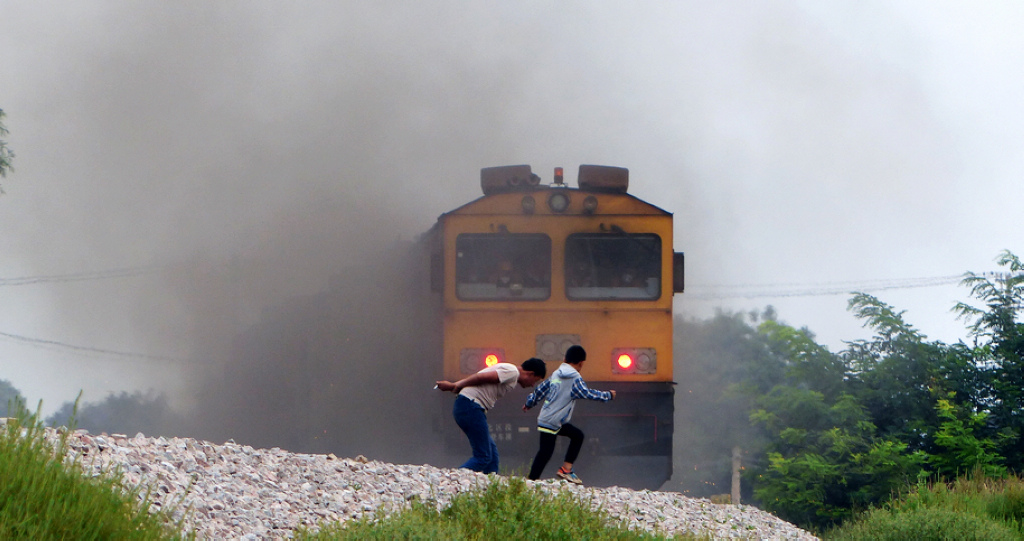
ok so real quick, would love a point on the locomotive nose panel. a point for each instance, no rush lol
(552, 347)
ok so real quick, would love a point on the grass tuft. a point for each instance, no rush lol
(974, 507)
(507, 509)
(43, 496)
(925, 524)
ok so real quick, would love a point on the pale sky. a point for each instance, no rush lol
(804, 147)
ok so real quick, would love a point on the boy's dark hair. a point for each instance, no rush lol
(536, 366)
(575, 355)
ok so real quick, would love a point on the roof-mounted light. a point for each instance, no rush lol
(558, 202)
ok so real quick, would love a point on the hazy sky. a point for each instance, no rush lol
(804, 147)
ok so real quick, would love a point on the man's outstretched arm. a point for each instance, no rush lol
(480, 378)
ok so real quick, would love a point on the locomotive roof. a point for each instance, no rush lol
(510, 202)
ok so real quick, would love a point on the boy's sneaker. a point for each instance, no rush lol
(569, 476)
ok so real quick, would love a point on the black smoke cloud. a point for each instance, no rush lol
(258, 154)
(276, 167)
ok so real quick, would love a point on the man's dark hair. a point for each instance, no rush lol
(536, 366)
(575, 355)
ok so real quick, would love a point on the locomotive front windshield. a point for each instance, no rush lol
(502, 266)
(613, 266)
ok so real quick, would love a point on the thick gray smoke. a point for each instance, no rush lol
(268, 166)
(274, 168)
(347, 370)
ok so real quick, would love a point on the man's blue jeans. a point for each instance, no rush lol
(472, 419)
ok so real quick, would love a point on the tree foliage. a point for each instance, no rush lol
(898, 375)
(723, 365)
(9, 396)
(806, 362)
(825, 461)
(834, 433)
(963, 451)
(122, 413)
(999, 350)
(6, 154)
(1003, 294)
(825, 458)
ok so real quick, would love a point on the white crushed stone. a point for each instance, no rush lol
(237, 492)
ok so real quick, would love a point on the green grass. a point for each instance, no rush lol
(970, 508)
(43, 496)
(507, 509)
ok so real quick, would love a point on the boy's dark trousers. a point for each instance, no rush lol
(547, 448)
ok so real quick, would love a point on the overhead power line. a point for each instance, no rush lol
(79, 276)
(714, 292)
(698, 292)
(86, 350)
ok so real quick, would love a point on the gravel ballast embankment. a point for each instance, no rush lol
(238, 492)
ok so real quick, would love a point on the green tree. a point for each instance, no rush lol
(824, 458)
(722, 365)
(8, 397)
(963, 452)
(824, 461)
(122, 414)
(806, 362)
(898, 376)
(999, 346)
(6, 154)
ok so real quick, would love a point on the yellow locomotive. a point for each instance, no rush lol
(528, 270)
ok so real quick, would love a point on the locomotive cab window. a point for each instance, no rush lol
(503, 266)
(615, 266)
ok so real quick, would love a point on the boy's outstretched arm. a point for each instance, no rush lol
(580, 390)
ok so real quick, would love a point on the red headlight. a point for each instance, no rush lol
(634, 361)
(472, 360)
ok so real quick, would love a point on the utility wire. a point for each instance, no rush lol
(698, 292)
(79, 276)
(86, 350)
(714, 292)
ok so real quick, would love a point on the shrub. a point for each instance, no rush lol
(974, 507)
(925, 524)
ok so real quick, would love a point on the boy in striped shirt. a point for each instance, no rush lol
(559, 395)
